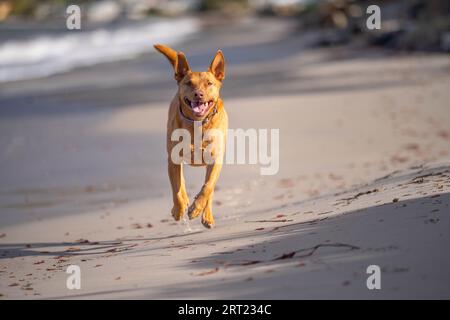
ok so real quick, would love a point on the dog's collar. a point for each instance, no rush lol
(204, 121)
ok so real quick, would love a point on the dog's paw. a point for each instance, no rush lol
(208, 223)
(197, 207)
(180, 205)
(207, 218)
(178, 212)
(194, 212)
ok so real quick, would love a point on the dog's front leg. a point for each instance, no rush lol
(203, 200)
(180, 197)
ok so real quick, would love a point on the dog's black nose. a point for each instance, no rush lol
(198, 94)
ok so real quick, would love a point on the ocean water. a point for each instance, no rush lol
(47, 54)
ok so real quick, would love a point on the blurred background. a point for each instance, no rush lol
(71, 138)
(35, 42)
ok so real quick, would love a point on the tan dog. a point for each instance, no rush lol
(197, 99)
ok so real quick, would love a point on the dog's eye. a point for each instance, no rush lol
(189, 83)
(210, 83)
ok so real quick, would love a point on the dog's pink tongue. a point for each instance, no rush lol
(198, 107)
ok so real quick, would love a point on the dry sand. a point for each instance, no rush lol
(364, 180)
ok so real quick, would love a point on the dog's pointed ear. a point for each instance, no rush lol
(170, 54)
(217, 67)
(182, 67)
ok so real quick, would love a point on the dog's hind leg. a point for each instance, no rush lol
(180, 197)
(207, 217)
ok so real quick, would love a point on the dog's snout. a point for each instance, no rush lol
(199, 94)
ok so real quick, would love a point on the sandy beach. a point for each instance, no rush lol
(364, 176)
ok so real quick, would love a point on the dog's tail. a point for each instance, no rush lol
(170, 54)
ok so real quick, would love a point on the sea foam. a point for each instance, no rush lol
(45, 55)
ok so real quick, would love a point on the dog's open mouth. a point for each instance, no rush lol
(199, 108)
